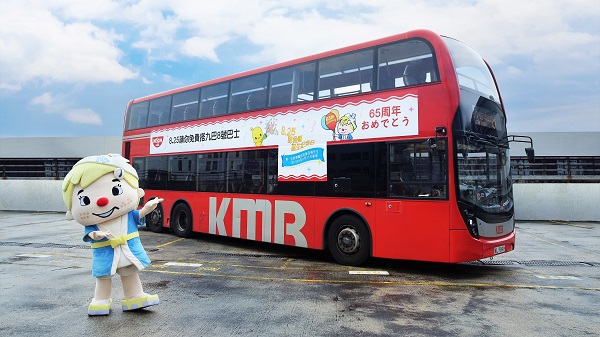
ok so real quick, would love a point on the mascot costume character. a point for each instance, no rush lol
(102, 194)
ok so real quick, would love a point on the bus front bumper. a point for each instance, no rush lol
(465, 248)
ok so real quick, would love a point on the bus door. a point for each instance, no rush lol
(414, 223)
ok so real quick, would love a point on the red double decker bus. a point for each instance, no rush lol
(394, 148)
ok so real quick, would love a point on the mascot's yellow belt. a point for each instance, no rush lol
(121, 240)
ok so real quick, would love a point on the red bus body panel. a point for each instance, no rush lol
(400, 229)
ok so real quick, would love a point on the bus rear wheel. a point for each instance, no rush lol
(181, 220)
(348, 241)
(154, 220)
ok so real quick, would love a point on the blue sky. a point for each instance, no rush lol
(69, 67)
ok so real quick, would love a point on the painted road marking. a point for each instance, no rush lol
(33, 255)
(368, 272)
(183, 264)
(208, 268)
(170, 243)
(361, 281)
(557, 277)
(570, 224)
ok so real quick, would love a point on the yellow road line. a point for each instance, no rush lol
(286, 263)
(569, 224)
(402, 283)
(286, 268)
(170, 243)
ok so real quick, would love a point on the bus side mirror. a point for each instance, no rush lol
(524, 139)
(530, 154)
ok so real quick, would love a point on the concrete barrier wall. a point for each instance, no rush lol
(31, 195)
(566, 202)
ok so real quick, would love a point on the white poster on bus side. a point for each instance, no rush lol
(301, 136)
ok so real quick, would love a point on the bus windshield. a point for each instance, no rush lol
(483, 175)
(482, 156)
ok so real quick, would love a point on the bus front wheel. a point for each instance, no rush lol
(181, 221)
(154, 220)
(348, 241)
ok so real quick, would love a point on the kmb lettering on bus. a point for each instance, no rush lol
(250, 208)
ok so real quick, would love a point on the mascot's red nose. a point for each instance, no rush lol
(102, 201)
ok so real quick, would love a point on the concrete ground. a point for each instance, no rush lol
(214, 286)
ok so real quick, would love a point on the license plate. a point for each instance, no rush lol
(499, 249)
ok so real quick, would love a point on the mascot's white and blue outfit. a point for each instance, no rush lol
(106, 253)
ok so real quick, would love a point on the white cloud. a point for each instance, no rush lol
(84, 10)
(83, 116)
(44, 99)
(512, 70)
(36, 45)
(284, 35)
(538, 50)
(10, 87)
(51, 103)
(201, 48)
(63, 40)
(284, 30)
(59, 105)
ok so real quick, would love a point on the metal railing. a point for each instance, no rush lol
(556, 169)
(37, 168)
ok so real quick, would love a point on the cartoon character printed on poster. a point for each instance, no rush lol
(345, 127)
(341, 128)
(102, 193)
(258, 135)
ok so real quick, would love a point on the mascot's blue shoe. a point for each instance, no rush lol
(140, 302)
(99, 308)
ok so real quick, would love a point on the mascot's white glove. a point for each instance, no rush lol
(99, 235)
(150, 206)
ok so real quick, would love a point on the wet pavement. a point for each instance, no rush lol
(215, 286)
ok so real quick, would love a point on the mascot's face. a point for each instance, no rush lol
(105, 199)
(343, 129)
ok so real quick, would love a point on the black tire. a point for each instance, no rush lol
(181, 220)
(349, 241)
(155, 220)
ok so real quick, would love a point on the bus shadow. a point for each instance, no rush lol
(243, 247)
(449, 271)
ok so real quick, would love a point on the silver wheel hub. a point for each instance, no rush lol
(348, 240)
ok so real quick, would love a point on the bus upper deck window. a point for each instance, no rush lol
(419, 72)
(185, 106)
(137, 116)
(160, 110)
(214, 100)
(406, 63)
